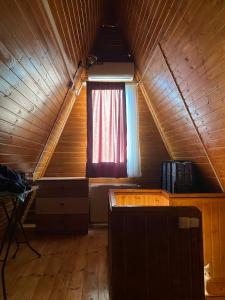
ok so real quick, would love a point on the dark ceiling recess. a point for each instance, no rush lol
(109, 16)
(110, 45)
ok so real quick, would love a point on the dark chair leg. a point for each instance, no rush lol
(7, 227)
(17, 242)
(10, 238)
(27, 242)
(9, 235)
(17, 249)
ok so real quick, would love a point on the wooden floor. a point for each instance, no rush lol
(71, 268)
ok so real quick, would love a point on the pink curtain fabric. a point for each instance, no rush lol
(106, 130)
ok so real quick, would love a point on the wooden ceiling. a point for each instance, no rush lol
(178, 47)
(34, 75)
(77, 23)
(110, 45)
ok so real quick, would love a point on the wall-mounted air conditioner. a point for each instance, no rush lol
(111, 71)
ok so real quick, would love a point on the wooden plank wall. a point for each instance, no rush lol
(69, 158)
(178, 49)
(213, 212)
(152, 149)
(77, 23)
(54, 135)
(173, 117)
(32, 86)
(33, 76)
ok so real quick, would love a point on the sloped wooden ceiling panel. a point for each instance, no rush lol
(77, 23)
(33, 76)
(144, 23)
(174, 119)
(178, 47)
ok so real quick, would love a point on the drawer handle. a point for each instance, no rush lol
(61, 204)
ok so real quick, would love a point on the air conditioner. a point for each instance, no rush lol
(111, 71)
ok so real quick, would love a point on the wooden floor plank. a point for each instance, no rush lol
(90, 289)
(24, 272)
(64, 273)
(103, 269)
(52, 265)
(76, 284)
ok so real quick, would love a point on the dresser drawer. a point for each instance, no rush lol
(63, 188)
(76, 224)
(60, 205)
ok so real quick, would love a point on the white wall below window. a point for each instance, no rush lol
(98, 195)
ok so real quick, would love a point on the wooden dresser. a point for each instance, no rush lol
(62, 205)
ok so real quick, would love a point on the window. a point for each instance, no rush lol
(109, 136)
(133, 149)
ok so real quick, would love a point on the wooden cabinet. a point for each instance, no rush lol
(62, 205)
(155, 252)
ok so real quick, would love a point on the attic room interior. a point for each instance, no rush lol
(112, 150)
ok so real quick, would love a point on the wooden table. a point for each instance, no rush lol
(20, 206)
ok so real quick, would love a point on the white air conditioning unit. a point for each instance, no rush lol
(111, 71)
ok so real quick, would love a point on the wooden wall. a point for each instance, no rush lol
(54, 135)
(178, 49)
(32, 86)
(152, 149)
(213, 219)
(33, 74)
(69, 158)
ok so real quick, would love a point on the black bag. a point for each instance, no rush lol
(11, 181)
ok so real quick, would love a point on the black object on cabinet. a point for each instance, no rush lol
(177, 176)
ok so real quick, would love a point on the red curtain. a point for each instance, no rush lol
(106, 130)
